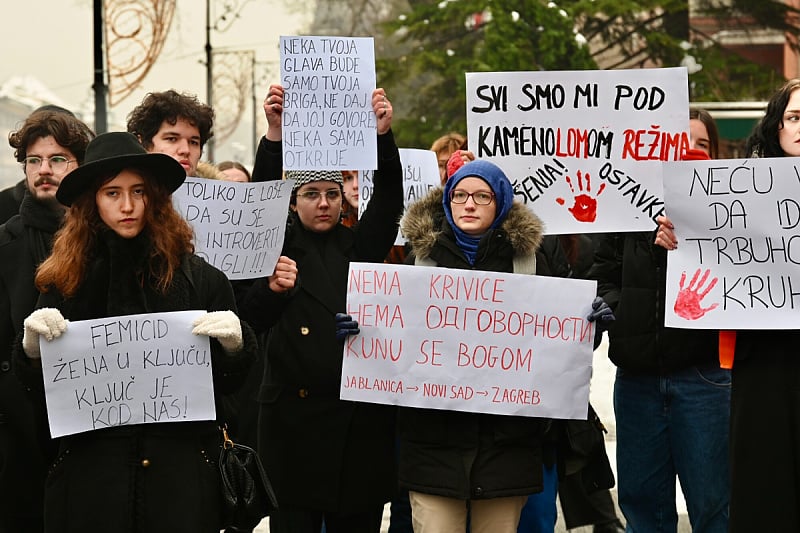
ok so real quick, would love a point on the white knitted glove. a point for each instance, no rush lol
(223, 326)
(45, 321)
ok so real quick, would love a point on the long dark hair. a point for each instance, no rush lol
(763, 141)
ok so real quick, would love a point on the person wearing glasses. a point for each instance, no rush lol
(50, 144)
(456, 462)
(328, 459)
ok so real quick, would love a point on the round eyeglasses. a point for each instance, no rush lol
(480, 198)
(313, 195)
(58, 163)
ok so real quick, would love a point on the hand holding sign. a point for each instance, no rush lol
(223, 326)
(383, 110)
(273, 109)
(285, 275)
(687, 305)
(46, 322)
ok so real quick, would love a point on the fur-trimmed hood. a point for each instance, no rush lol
(421, 225)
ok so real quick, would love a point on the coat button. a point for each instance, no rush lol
(303, 393)
(478, 491)
(5, 366)
(145, 463)
(304, 330)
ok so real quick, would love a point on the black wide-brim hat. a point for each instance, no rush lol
(110, 153)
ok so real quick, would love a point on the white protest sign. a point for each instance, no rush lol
(737, 265)
(238, 227)
(420, 175)
(467, 340)
(594, 127)
(126, 370)
(328, 122)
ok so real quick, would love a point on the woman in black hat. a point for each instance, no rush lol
(125, 250)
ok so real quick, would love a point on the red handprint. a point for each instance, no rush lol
(687, 304)
(585, 207)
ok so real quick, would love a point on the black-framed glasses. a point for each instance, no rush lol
(58, 163)
(314, 195)
(458, 196)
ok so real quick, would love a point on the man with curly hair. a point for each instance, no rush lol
(172, 123)
(50, 144)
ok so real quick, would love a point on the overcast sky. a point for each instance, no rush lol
(52, 40)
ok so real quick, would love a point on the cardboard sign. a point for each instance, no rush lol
(737, 265)
(467, 340)
(126, 370)
(573, 142)
(238, 227)
(328, 122)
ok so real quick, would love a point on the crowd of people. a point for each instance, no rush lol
(90, 232)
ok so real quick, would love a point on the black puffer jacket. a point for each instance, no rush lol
(322, 452)
(631, 276)
(470, 455)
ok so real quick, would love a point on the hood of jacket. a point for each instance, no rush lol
(421, 225)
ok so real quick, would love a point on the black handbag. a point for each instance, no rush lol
(247, 494)
(584, 452)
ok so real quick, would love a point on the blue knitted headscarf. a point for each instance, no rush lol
(504, 197)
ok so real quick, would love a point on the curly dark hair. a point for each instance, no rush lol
(68, 132)
(146, 119)
(763, 141)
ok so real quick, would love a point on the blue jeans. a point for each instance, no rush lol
(540, 514)
(675, 424)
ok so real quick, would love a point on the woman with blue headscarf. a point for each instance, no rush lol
(450, 460)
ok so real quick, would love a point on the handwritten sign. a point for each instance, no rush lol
(469, 340)
(239, 227)
(328, 121)
(119, 371)
(737, 265)
(420, 175)
(572, 142)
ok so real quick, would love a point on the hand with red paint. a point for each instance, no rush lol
(688, 303)
(585, 207)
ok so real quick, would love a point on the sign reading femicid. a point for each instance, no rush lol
(463, 340)
(126, 370)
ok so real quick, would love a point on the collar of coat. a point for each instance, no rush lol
(421, 225)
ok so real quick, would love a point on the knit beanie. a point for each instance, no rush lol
(301, 177)
(503, 193)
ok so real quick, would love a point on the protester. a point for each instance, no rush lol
(49, 144)
(327, 458)
(178, 125)
(350, 204)
(454, 461)
(11, 197)
(125, 250)
(670, 391)
(234, 171)
(10, 200)
(765, 481)
(444, 147)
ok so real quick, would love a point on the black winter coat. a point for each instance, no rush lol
(25, 241)
(321, 452)
(145, 478)
(631, 275)
(471, 455)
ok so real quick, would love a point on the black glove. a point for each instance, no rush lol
(345, 325)
(601, 313)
